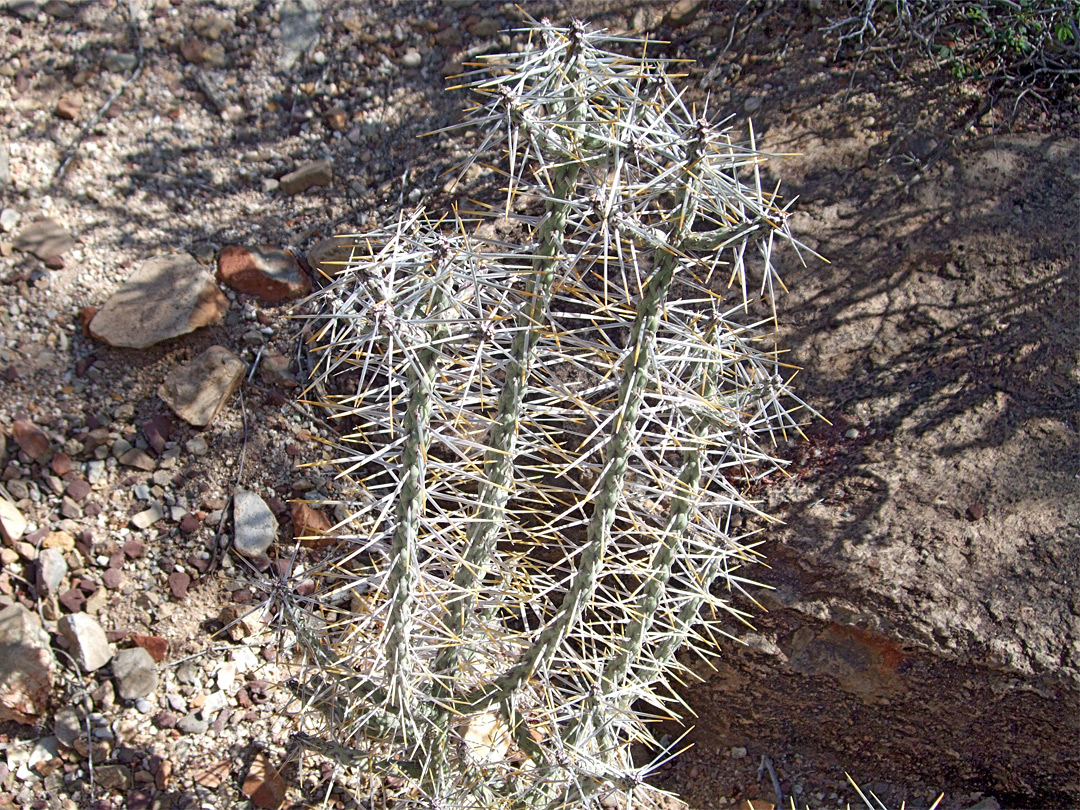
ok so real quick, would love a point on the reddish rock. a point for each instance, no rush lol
(73, 600)
(199, 389)
(263, 784)
(311, 526)
(157, 431)
(68, 107)
(315, 173)
(61, 464)
(273, 275)
(157, 646)
(134, 548)
(31, 440)
(78, 489)
(179, 582)
(189, 523)
(112, 578)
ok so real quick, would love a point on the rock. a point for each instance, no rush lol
(193, 723)
(197, 446)
(236, 619)
(412, 59)
(113, 777)
(485, 27)
(59, 10)
(135, 673)
(73, 600)
(300, 25)
(310, 526)
(26, 666)
(157, 430)
(59, 539)
(12, 522)
(138, 459)
(273, 275)
(31, 440)
(148, 517)
(112, 578)
(155, 645)
(337, 119)
(274, 370)
(120, 62)
(254, 523)
(263, 784)
(69, 725)
(51, 570)
(9, 218)
(179, 582)
(68, 107)
(198, 390)
(44, 238)
(89, 644)
(316, 173)
(165, 719)
(683, 12)
(328, 257)
(164, 298)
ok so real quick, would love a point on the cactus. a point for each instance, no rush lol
(547, 438)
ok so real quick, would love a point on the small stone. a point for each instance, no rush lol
(157, 646)
(315, 173)
(26, 666)
(163, 298)
(412, 59)
(61, 464)
(851, 433)
(752, 104)
(73, 600)
(112, 578)
(179, 582)
(135, 673)
(263, 784)
(189, 523)
(485, 27)
(271, 274)
(337, 119)
(9, 218)
(59, 10)
(148, 517)
(31, 440)
(143, 706)
(69, 106)
(165, 719)
(683, 12)
(138, 459)
(120, 62)
(89, 644)
(113, 777)
(69, 725)
(133, 549)
(198, 390)
(193, 723)
(274, 370)
(255, 525)
(329, 257)
(59, 539)
(310, 526)
(975, 511)
(235, 618)
(51, 570)
(197, 446)
(157, 431)
(12, 522)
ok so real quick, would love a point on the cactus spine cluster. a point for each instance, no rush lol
(548, 436)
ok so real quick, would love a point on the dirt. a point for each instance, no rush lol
(923, 628)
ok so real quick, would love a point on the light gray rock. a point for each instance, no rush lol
(199, 389)
(89, 645)
(26, 666)
(300, 24)
(148, 517)
(164, 298)
(69, 725)
(12, 522)
(51, 570)
(255, 525)
(135, 672)
(193, 723)
(9, 218)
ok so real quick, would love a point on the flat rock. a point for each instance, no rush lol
(51, 570)
(198, 390)
(148, 517)
(272, 274)
(315, 173)
(89, 644)
(26, 666)
(31, 439)
(255, 524)
(12, 522)
(138, 459)
(44, 239)
(683, 12)
(135, 672)
(264, 784)
(165, 297)
(329, 257)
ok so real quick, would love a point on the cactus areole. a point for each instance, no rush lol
(547, 439)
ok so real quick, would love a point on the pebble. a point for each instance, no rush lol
(199, 389)
(138, 459)
(300, 27)
(270, 273)
(315, 173)
(412, 59)
(135, 672)
(193, 723)
(12, 522)
(68, 725)
(255, 525)
(163, 298)
(51, 570)
(9, 218)
(179, 582)
(44, 239)
(143, 706)
(683, 12)
(89, 644)
(148, 517)
(197, 446)
(31, 440)
(264, 784)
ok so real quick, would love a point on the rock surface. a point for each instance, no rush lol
(316, 173)
(198, 390)
(89, 644)
(255, 524)
(267, 272)
(26, 666)
(136, 673)
(44, 239)
(162, 299)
